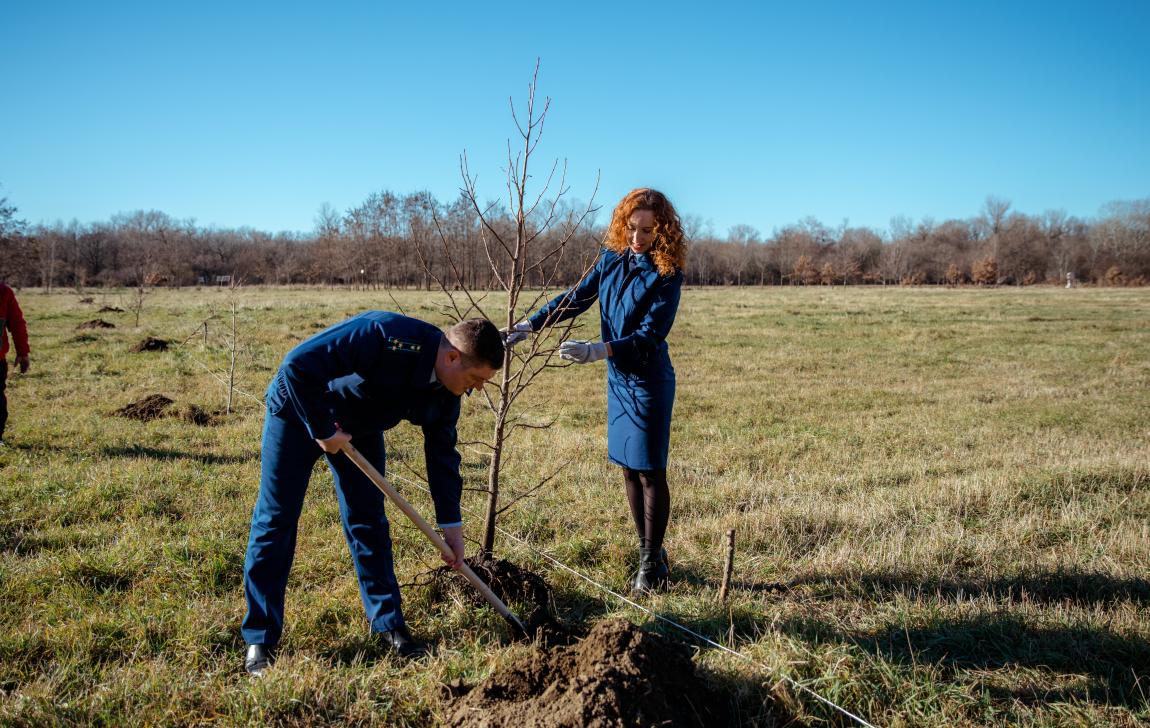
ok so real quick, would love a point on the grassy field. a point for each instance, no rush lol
(941, 498)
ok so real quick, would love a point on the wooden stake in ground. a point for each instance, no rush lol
(724, 590)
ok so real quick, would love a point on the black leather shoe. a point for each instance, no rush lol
(258, 659)
(400, 641)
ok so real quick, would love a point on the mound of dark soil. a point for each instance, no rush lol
(150, 344)
(95, 324)
(110, 309)
(618, 675)
(148, 408)
(524, 591)
(199, 416)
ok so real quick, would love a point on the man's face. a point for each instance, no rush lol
(459, 378)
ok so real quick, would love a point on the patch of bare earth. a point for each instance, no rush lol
(524, 591)
(200, 416)
(95, 324)
(149, 408)
(150, 344)
(618, 675)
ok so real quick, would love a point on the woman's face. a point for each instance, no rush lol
(641, 231)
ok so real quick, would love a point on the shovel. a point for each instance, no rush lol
(380, 482)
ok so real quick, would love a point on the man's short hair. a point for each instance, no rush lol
(478, 341)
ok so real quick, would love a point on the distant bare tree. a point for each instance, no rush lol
(1055, 228)
(696, 228)
(994, 211)
(48, 259)
(1021, 253)
(14, 245)
(9, 224)
(1122, 241)
(136, 303)
(744, 235)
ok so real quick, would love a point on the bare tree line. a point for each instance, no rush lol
(394, 241)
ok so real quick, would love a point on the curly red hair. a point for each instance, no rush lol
(670, 249)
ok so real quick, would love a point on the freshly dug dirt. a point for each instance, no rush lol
(199, 416)
(150, 344)
(149, 408)
(110, 309)
(524, 591)
(618, 675)
(95, 324)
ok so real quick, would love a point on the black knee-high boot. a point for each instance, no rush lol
(650, 502)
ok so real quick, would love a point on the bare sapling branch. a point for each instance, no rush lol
(522, 250)
(233, 343)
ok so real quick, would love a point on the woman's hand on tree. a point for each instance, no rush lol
(516, 333)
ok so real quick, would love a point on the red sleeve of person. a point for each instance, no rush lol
(12, 320)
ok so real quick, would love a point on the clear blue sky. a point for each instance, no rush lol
(256, 113)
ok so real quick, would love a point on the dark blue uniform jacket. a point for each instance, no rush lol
(366, 374)
(637, 308)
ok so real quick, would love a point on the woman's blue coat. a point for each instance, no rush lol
(637, 308)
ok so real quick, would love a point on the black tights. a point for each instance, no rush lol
(650, 502)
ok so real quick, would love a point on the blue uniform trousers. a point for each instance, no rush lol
(289, 454)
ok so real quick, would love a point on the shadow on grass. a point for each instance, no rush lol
(1056, 587)
(695, 579)
(363, 650)
(155, 453)
(1116, 666)
(1092, 665)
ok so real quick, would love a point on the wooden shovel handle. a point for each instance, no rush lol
(380, 482)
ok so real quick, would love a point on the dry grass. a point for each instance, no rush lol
(941, 499)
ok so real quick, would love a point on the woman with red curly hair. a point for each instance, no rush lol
(637, 280)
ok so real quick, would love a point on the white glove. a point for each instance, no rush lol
(516, 333)
(582, 352)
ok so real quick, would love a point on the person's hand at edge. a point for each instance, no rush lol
(453, 535)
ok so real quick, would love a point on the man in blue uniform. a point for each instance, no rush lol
(355, 380)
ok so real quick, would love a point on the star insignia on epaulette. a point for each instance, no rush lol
(397, 344)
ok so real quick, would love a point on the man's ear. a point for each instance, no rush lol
(452, 356)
